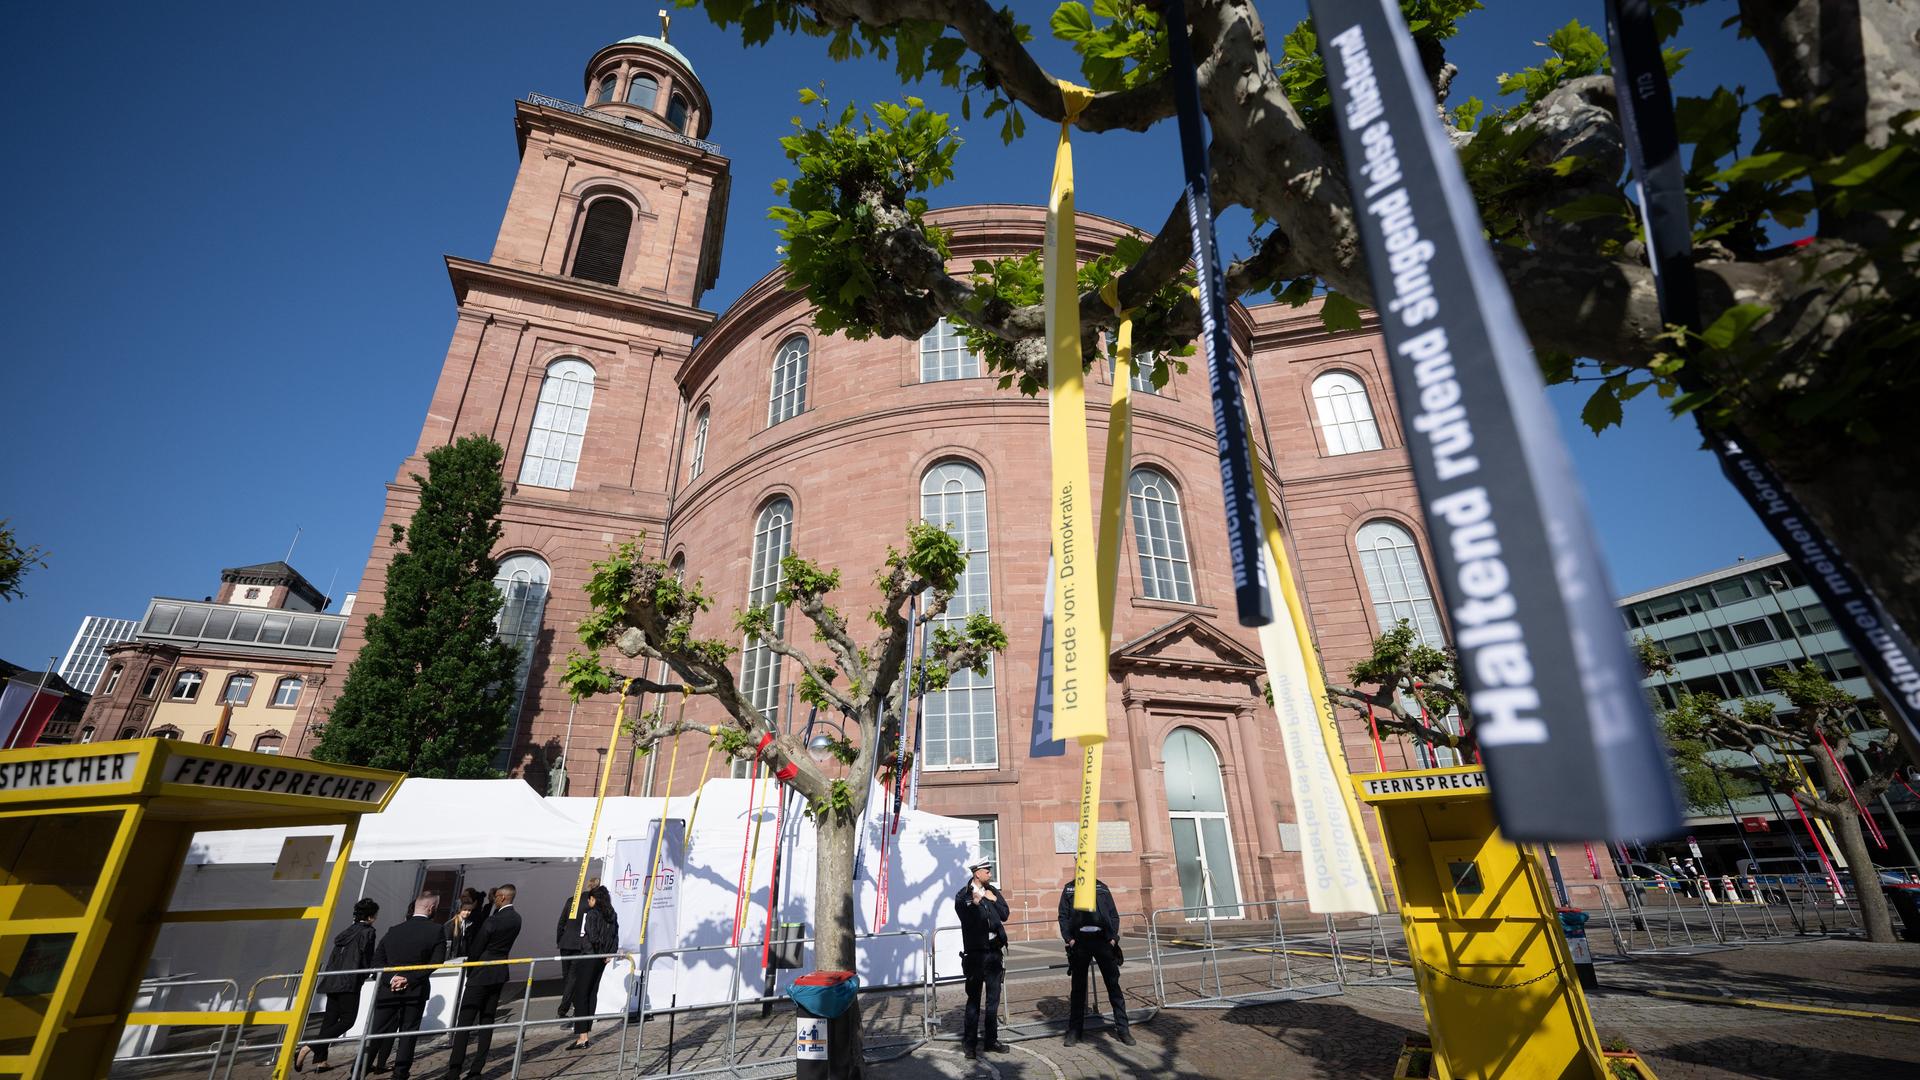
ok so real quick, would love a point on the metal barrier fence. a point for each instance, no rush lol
(229, 995)
(1037, 946)
(733, 1060)
(1301, 962)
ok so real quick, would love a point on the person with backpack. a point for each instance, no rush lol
(352, 952)
(600, 927)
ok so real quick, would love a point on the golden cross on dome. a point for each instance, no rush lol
(666, 22)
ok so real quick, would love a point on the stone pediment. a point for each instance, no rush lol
(1188, 643)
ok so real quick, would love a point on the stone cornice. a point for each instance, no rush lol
(465, 273)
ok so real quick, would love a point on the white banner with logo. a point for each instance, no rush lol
(626, 876)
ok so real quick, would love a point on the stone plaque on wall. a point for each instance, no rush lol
(1113, 836)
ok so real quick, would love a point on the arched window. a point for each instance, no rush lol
(788, 397)
(643, 91)
(522, 581)
(286, 692)
(1346, 416)
(130, 733)
(944, 355)
(225, 740)
(559, 425)
(603, 241)
(268, 743)
(677, 114)
(238, 691)
(960, 726)
(1396, 580)
(151, 685)
(1202, 835)
(113, 680)
(168, 732)
(607, 85)
(677, 566)
(697, 459)
(760, 665)
(186, 686)
(1161, 537)
(86, 734)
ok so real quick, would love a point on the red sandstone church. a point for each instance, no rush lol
(626, 408)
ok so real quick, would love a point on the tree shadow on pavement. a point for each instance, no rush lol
(1777, 1061)
(1333, 1039)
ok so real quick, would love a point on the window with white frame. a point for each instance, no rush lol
(1203, 855)
(989, 827)
(959, 728)
(944, 355)
(186, 686)
(1160, 536)
(286, 693)
(268, 743)
(697, 458)
(522, 580)
(1143, 363)
(760, 665)
(559, 425)
(113, 680)
(788, 397)
(238, 691)
(1346, 416)
(86, 734)
(1397, 581)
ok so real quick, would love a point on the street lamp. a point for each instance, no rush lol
(819, 743)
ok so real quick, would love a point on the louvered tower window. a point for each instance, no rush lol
(603, 242)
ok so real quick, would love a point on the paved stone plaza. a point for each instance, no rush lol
(1355, 1034)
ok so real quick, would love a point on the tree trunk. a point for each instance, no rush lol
(1874, 917)
(833, 892)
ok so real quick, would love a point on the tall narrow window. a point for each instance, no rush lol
(944, 355)
(788, 397)
(86, 734)
(522, 581)
(559, 425)
(677, 114)
(760, 665)
(605, 92)
(238, 691)
(113, 680)
(643, 91)
(603, 242)
(1143, 365)
(1202, 836)
(286, 693)
(960, 728)
(697, 458)
(1346, 416)
(151, 684)
(1161, 538)
(1397, 581)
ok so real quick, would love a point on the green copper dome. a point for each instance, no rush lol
(658, 43)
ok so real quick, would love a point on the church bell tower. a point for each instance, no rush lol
(566, 344)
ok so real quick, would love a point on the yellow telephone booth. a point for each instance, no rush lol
(92, 839)
(1496, 979)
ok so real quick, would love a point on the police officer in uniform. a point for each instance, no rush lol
(983, 937)
(1093, 937)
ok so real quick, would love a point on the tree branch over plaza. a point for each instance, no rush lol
(642, 609)
(1805, 231)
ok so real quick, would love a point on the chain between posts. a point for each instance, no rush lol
(1554, 970)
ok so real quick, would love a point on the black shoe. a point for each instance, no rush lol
(998, 1047)
(1126, 1036)
(1072, 1038)
(972, 1054)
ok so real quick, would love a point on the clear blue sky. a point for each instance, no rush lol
(225, 306)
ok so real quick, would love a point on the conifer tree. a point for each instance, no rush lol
(433, 689)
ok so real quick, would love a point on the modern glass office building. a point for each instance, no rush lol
(85, 660)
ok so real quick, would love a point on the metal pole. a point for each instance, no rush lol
(1733, 817)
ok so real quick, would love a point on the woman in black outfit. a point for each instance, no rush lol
(352, 949)
(466, 922)
(601, 928)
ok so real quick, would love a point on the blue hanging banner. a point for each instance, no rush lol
(1244, 536)
(1043, 743)
(1569, 743)
(1653, 149)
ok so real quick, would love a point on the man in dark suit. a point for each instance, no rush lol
(401, 996)
(1092, 937)
(493, 941)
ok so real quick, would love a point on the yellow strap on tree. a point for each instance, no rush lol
(660, 836)
(713, 740)
(599, 799)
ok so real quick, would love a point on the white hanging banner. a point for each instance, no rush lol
(626, 879)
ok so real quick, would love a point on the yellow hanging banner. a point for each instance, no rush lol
(1079, 660)
(1339, 867)
(1113, 504)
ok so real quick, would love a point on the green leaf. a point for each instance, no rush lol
(1857, 166)
(1773, 165)
(1587, 207)
(1339, 312)
(1733, 324)
(1071, 22)
(1602, 410)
